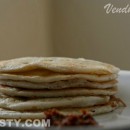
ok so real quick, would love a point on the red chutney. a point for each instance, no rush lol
(58, 119)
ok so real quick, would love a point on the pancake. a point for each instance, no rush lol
(21, 104)
(11, 91)
(73, 83)
(40, 77)
(57, 64)
(95, 110)
(113, 104)
(30, 86)
(9, 114)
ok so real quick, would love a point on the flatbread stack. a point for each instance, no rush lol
(29, 86)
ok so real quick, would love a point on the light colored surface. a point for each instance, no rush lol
(119, 118)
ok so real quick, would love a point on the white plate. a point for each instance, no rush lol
(120, 117)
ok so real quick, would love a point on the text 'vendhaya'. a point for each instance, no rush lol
(110, 8)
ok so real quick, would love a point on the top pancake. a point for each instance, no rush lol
(59, 65)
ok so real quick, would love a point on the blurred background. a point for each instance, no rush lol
(67, 28)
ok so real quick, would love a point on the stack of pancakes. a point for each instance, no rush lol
(29, 86)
